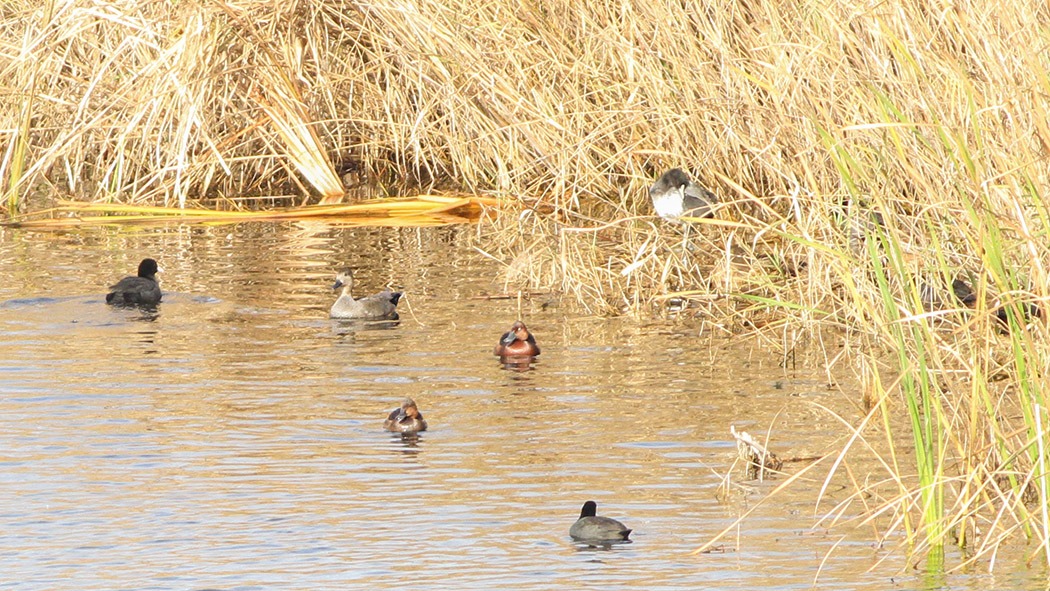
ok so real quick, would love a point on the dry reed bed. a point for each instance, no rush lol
(809, 119)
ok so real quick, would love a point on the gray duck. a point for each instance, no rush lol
(380, 306)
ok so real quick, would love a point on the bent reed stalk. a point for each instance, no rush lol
(866, 155)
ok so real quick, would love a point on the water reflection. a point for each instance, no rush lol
(409, 442)
(344, 326)
(599, 546)
(141, 313)
(518, 364)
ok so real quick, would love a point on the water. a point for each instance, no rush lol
(232, 439)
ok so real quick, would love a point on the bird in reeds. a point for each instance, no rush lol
(674, 195)
(1024, 313)
(517, 342)
(962, 294)
(406, 420)
(591, 528)
(143, 289)
(380, 306)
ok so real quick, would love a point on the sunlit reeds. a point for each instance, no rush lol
(867, 155)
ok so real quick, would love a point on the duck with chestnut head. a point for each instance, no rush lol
(517, 342)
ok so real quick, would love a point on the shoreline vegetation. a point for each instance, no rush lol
(867, 157)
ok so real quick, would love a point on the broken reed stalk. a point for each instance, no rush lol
(424, 210)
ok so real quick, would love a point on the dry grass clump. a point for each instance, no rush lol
(867, 156)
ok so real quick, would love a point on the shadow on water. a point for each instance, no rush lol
(81, 310)
(29, 302)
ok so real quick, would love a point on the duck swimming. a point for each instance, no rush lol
(517, 342)
(380, 306)
(674, 195)
(142, 289)
(591, 528)
(406, 420)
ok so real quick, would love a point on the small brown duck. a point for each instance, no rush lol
(406, 420)
(517, 342)
(380, 306)
(591, 528)
(143, 289)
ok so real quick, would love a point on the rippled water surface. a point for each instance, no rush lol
(232, 439)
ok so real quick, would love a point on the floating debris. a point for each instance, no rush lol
(755, 455)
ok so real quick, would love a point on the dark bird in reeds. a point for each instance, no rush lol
(517, 342)
(591, 528)
(674, 195)
(962, 294)
(380, 306)
(1024, 313)
(143, 289)
(406, 420)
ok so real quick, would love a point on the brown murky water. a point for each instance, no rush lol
(233, 439)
